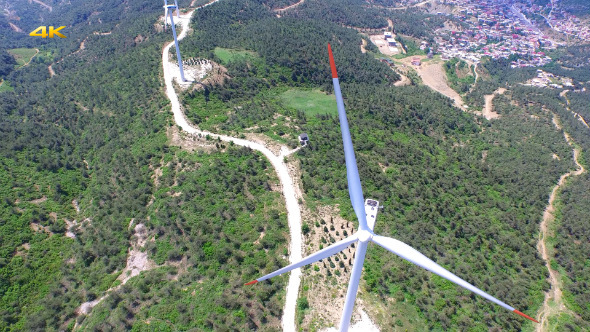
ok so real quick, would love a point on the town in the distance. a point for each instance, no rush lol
(500, 29)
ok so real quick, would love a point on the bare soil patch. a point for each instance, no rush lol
(137, 261)
(14, 27)
(434, 76)
(328, 279)
(39, 200)
(403, 82)
(488, 110)
(42, 4)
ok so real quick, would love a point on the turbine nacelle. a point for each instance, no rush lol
(365, 235)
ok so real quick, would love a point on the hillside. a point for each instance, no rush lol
(97, 180)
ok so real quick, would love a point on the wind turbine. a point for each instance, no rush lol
(365, 234)
(170, 11)
(166, 10)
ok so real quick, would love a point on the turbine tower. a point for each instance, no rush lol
(165, 14)
(170, 10)
(366, 210)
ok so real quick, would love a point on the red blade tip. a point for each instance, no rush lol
(251, 283)
(525, 316)
(332, 63)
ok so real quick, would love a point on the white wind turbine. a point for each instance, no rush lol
(170, 12)
(166, 11)
(365, 233)
(165, 14)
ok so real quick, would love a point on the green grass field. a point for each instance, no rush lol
(227, 55)
(22, 55)
(5, 86)
(312, 102)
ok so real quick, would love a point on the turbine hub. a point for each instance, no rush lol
(365, 236)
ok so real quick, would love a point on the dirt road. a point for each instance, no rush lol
(576, 115)
(280, 10)
(31, 59)
(138, 262)
(414, 5)
(43, 4)
(553, 304)
(277, 161)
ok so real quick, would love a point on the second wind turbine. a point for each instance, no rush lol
(170, 11)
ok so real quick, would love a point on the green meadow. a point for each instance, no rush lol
(227, 55)
(22, 55)
(311, 102)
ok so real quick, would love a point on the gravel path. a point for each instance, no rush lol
(293, 212)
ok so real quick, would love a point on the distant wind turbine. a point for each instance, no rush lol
(166, 9)
(165, 14)
(170, 10)
(365, 233)
(177, 9)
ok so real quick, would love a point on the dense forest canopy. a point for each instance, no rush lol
(351, 13)
(576, 7)
(92, 145)
(91, 136)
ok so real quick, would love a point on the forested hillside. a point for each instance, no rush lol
(87, 156)
(90, 137)
(568, 237)
(572, 236)
(468, 194)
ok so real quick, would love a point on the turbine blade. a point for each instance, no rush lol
(324, 253)
(410, 254)
(352, 173)
(353, 285)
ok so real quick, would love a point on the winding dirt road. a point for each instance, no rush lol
(411, 6)
(553, 304)
(576, 115)
(31, 59)
(138, 261)
(277, 161)
(284, 9)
